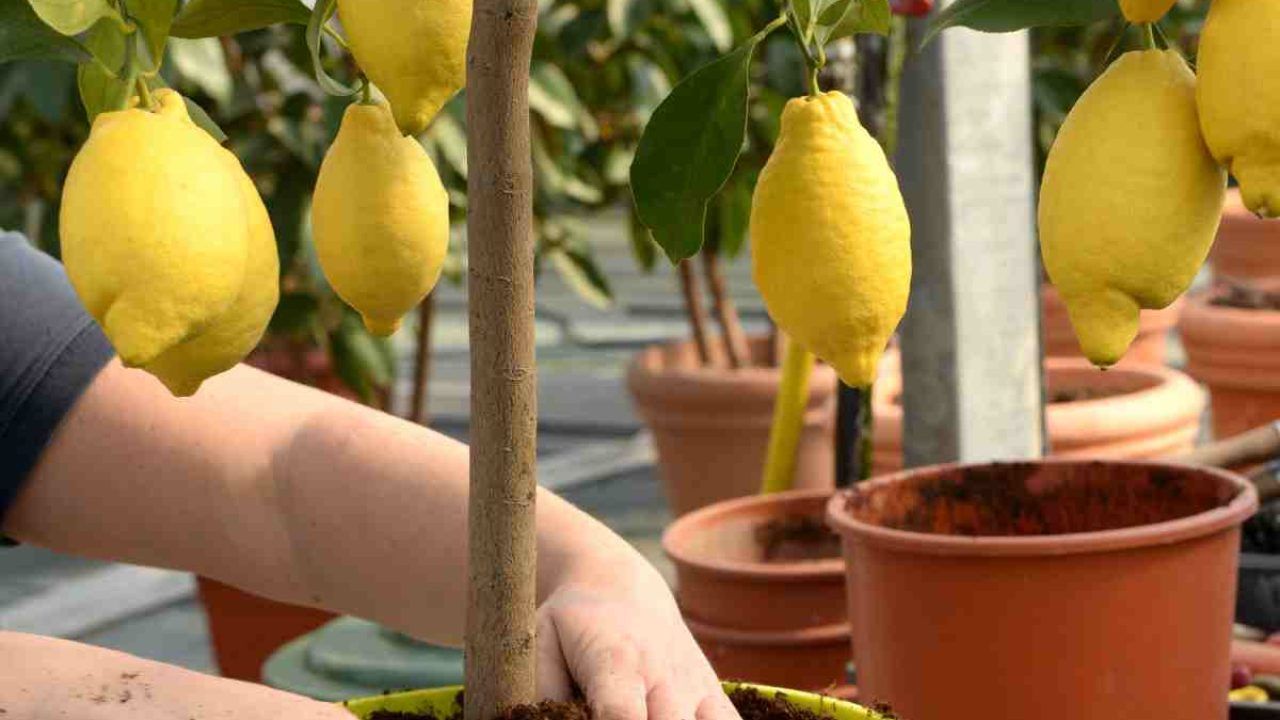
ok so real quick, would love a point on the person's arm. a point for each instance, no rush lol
(307, 498)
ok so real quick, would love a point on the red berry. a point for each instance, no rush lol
(911, 8)
(1241, 675)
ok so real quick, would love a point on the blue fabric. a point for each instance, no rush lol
(50, 350)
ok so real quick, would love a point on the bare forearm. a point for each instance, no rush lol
(56, 679)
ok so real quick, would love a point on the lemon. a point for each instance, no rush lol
(380, 218)
(1130, 201)
(1239, 96)
(1145, 11)
(153, 229)
(413, 50)
(830, 237)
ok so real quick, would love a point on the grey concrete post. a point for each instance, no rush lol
(971, 337)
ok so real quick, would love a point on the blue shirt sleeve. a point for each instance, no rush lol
(50, 350)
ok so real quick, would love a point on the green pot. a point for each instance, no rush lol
(442, 702)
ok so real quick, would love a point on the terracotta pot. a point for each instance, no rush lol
(780, 622)
(1150, 347)
(711, 425)
(1236, 353)
(1247, 247)
(1051, 590)
(245, 629)
(1155, 413)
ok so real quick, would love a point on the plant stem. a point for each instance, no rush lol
(735, 340)
(896, 58)
(788, 419)
(502, 548)
(144, 94)
(422, 366)
(1148, 37)
(695, 311)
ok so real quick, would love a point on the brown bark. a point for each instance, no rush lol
(695, 310)
(735, 340)
(418, 411)
(504, 418)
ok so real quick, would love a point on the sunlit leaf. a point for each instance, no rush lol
(72, 17)
(209, 18)
(24, 36)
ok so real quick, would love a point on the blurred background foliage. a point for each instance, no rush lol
(600, 68)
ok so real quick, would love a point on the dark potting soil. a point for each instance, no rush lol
(1261, 533)
(1027, 499)
(751, 705)
(1247, 297)
(797, 538)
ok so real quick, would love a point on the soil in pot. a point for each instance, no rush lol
(798, 537)
(750, 704)
(1247, 297)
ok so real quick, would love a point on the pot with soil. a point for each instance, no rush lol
(760, 583)
(1150, 347)
(753, 702)
(1232, 338)
(711, 423)
(1247, 246)
(1131, 411)
(1058, 589)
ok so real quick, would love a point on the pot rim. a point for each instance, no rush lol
(830, 569)
(646, 380)
(1169, 532)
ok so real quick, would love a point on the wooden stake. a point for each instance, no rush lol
(696, 312)
(418, 411)
(735, 340)
(501, 618)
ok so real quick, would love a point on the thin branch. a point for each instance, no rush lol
(418, 411)
(735, 340)
(695, 311)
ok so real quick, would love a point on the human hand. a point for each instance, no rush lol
(614, 631)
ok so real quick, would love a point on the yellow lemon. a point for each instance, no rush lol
(153, 230)
(1130, 201)
(1239, 96)
(1145, 11)
(380, 218)
(830, 237)
(413, 50)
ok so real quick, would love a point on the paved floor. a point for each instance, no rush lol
(588, 447)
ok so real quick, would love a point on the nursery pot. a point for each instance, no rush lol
(711, 424)
(1150, 347)
(1236, 352)
(1058, 589)
(779, 620)
(1247, 247)
(1132, 411)
(443, 703)
(246, 629)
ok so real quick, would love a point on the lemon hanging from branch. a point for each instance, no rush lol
(1145, 11)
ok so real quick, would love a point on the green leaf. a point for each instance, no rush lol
(357, 358)
(580, 273)
(1012, 15)
(447, 133)
(733, 213)
(208, 18)
(203, 121)
(625, 16)
(48, 89)
(689, 149)
(713, 18)
(294, 314)
(551, 95)
(72, 17)
(850, 17)
(642, 245)
(23, 36)
(204, 63)
(104, 86)
(155, 18)
(803, 10)
(320, 15)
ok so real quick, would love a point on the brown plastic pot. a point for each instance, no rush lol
(246, 629)
(1247, 247)
(1236, 353)
(1150, 347)
(1050, 590)
(1154, 412)
(711, 424)
(770, 622)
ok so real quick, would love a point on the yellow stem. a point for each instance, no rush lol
(788, 419)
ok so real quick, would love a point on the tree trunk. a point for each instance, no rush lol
(418, 410)
(501, 612)
(735, 340)
(695, 311)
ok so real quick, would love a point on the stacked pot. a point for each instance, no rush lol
(777, 622)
